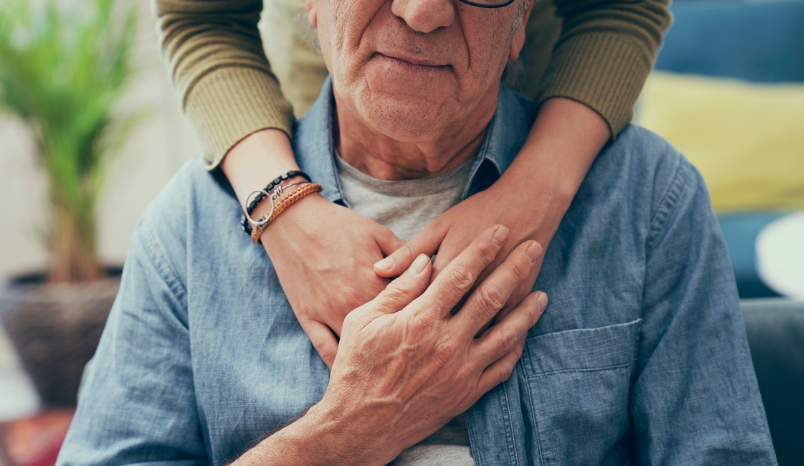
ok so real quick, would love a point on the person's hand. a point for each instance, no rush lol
(452, 231)
(406, 366)
(530, 198)
(323, 255)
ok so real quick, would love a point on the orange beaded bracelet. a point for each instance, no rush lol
(298, 193)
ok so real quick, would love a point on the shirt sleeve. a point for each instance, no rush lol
(695, 400)
(137, 405)
(218, 66)
(604, 53)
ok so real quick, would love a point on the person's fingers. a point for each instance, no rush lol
(493, 293)
(323, 340)
(405, 288)
(448, 250)
(458, 277)
(524, 289)
(501, 339)
(388, 243)
(499, 371)
(426, 242)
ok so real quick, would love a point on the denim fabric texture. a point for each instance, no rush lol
(640, 358)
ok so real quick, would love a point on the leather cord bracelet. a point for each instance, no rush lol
(298, 193)
(245, 220)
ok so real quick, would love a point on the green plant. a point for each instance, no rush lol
(61, 73)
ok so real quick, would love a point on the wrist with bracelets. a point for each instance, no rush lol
(246, 220)
(277, 208)
(273, 191)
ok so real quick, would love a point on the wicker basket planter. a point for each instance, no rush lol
(55, 329)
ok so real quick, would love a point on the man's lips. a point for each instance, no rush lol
(415, 62)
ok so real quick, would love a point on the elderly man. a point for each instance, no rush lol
(641, 358)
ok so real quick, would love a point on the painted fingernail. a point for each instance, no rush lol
(541, 301)
(500, 235)
(418, 265)
(534, 251)
(385, 264)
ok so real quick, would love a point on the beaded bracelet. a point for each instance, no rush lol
(305, 189)
(245, 219)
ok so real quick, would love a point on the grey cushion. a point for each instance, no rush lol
(775, 330)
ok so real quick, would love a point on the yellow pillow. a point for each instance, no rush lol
(747, 140)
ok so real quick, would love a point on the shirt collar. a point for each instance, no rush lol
(315, 154)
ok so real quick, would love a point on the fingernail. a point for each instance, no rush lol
(534, 251)
(541, 301)
(418, 265)
(385, 264)
(500, 235)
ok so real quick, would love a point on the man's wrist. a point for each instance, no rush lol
(319, 437)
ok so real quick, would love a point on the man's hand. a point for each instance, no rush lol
(406, 365)
(323, 255)
(531, 197)
(453, 230)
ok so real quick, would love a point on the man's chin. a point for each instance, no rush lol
(402, 118)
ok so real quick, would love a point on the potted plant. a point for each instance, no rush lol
(61, 73)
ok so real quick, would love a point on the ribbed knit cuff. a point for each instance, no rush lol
(603, 71)
(229, 104)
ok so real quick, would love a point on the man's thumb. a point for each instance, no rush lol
(405, 288)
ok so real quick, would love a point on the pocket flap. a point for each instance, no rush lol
(582, 349)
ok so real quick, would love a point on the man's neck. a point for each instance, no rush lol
(386, 158)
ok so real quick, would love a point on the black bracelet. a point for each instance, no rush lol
(260, 196)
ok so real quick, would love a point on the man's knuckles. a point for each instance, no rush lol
(505, 339)
(446, 351)
(490, 299)
(397, 294)
(419, 327)
(505, 370)
(460, 278)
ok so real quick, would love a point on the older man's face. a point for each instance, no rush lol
(411, 68)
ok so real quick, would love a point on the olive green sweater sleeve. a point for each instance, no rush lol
(604, 54)
(600, 56)
(216, 61)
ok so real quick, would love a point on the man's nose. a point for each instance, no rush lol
(425, 15)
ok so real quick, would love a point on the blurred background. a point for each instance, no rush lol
(728, 92)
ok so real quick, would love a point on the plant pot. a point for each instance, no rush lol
(56, 328)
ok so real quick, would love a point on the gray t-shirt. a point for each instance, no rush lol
(406, 207)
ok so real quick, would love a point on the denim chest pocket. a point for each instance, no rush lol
(579, 383)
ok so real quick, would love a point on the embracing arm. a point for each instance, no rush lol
(215, 56)
(219, 69)
(586, 96)
(231, 101)
(603, 53)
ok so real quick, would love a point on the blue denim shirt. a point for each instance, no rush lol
(640, 357)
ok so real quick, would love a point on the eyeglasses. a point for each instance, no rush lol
(489, 3)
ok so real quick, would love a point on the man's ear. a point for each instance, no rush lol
(312, 13)
(518, 41)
